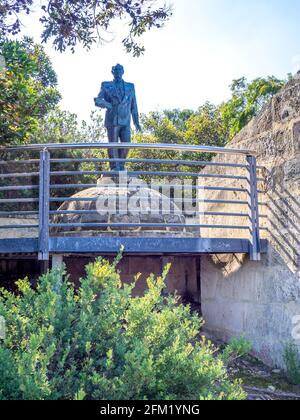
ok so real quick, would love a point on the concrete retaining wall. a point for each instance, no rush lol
(258, 301)
(262, 300)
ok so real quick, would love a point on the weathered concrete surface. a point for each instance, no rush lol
(262, 300)
(256, 302)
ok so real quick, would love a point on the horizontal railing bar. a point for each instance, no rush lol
(19, 213)
(229, 189)
(19, 188)
(212, 213)
(180, 174)
(19, 200)
(154, 187)
(20, 175)
(152, 161)
(78, 225)
(245, 203)
(136, 173)
(85, 212)
(94, 199)
(161, 200)
(20, 162)
(216, 213)
(146, 225)
(95, 212)
(129, 146)
(145, 173)
(155, 161)
(2, 227)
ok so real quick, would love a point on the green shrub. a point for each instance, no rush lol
(101, 343)
(292, 361)
(237, 348)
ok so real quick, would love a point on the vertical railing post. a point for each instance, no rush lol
(255, 252)
(44, 205)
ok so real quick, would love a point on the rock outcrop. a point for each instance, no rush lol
(111, 203)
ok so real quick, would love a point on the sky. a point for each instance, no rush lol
(193, 59)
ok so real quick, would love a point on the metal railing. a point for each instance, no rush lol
(32, 179)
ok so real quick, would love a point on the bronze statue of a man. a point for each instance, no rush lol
(119, 100)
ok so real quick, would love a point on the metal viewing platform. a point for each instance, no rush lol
(39, 183)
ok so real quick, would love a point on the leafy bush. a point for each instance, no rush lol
(237, 348)
(292, 361)
(101, 343)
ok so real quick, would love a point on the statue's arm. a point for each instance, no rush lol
(100, 100)
(135, 112)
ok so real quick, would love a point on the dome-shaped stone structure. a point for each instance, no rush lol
(110, 203)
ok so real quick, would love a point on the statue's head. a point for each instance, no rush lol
(118, 71)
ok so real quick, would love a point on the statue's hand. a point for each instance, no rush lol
(138, 127)
(101, 103)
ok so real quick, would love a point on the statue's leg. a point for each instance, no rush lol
(113, 137)
(125, 137)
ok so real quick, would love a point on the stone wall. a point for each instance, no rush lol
(262, 300)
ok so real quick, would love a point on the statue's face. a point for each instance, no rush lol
(118, 72)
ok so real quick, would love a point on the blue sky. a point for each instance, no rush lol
(205, 45)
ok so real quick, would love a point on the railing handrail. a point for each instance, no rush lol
(141, 146)
(47, 185)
